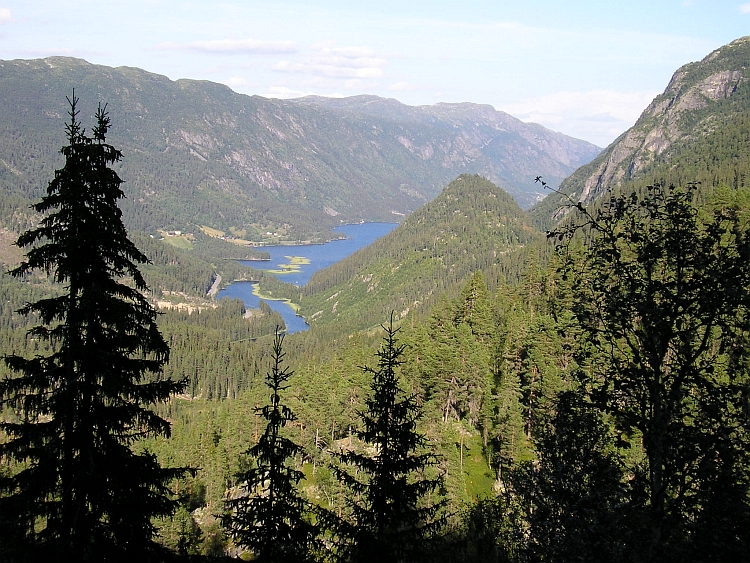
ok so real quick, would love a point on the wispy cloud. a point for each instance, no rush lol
(404, 86)
(597, 115)
(5, 15)
(619, 105)
(285, 92)
(400, 87)
(337, 62)
(234, 47)
(745, 8)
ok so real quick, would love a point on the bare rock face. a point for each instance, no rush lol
(721, 85)
(658, 128)
(457, 137)
(699, 95)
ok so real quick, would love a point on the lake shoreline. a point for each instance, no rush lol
(296, 268)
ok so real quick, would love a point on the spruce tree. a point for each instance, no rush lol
(268, 515)
(392, 505)
(475, 309)
(82, 493)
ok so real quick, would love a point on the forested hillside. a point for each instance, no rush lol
(473, 226)
(470, 389)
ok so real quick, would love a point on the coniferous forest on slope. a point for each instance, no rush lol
(470, 389)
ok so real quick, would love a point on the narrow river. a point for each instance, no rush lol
(295, 264)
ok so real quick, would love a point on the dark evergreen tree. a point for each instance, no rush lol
(572, 496)
(485, 531)
(395, 506)
(268, 515)
(662, 293)
(475, 309)
(81, 492)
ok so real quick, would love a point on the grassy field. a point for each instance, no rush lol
(179, 241)
(216, 233)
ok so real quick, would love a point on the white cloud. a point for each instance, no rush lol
(234, 81)
(234, 47)
(284, 92)
(5, 15)
(349, 52)
(399, 86)
(355, 84)
(598, 116)
(745, 8)
(619, 105)
(337, 62)
(403, 86)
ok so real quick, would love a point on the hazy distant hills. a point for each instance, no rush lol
(471, 138)
(197, 153)
(698, 130)
(467, 228)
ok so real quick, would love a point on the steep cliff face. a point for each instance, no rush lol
(697, 99)
(659, 127)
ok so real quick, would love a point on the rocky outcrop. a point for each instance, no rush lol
(658, 128)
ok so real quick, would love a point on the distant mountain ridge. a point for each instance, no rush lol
(482, 140)
(697, 130)
(197, 153)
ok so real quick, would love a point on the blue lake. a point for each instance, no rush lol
(301, 261)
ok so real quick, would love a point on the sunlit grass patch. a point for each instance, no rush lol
(179, 242)
(270, 297)
(216, 233)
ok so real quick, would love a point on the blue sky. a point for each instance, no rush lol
(585, 68)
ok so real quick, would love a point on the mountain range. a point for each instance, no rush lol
(486, 323)
(697, 131)
(198, 154)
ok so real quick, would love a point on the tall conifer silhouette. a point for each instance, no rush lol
(268, 515)
(82, 493)
(394, 511)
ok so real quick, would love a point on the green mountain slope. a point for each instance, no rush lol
(469, 227)
(197, 153)
(698, 130)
